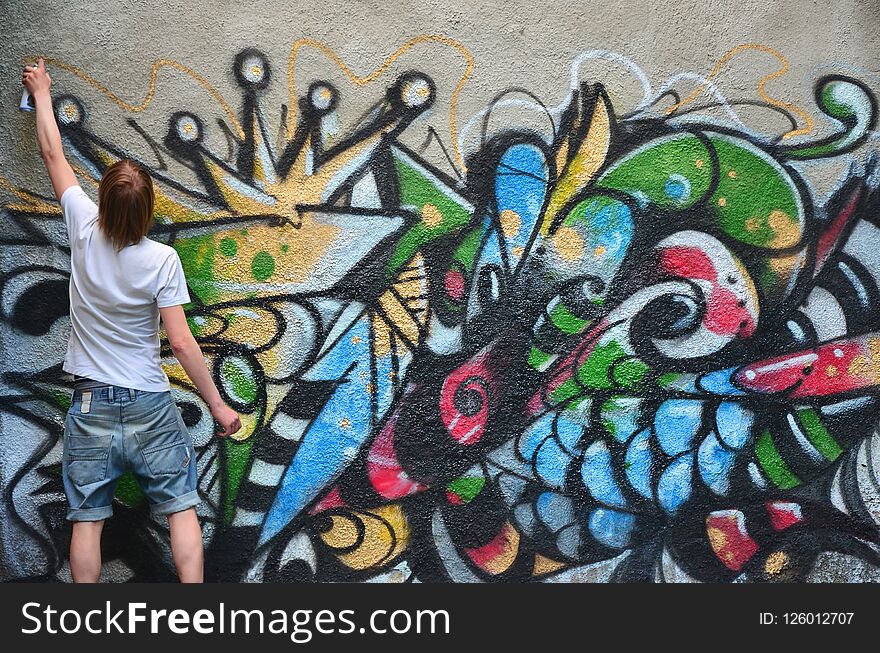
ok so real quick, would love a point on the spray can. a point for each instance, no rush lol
(27, 100)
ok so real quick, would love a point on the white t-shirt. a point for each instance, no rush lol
(115, 299)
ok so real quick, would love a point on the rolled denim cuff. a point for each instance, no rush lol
(89, 514)
(176, 504)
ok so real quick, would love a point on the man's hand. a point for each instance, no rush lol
(36, 80)
(227, 418)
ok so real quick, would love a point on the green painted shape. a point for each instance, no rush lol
(237, 456)
(62, 399)
(128, 491)
(760, 188)
(644, 173)
(197, 257)
(416, 191)
(228, 247)
(630, 372)
(242, 382)
(565, 391)
(467, 487)
(538, 358)
(593, 373)
(772, 463)
(262, 265)
(818, 435)
(466, 252)
(667, 379)
(566, 321)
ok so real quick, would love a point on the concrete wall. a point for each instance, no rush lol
(574, 291)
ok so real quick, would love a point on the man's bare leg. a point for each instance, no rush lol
(85, 551)
(186, 545)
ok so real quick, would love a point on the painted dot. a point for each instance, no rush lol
(831, 370)
(431, 216)
(731, 174)
(284, 248)
(510, 223)
(453, 283)
(753, 224)
(750, 375)
(776, 562)
(568, 243)
(345, 423)
(677, 188)
(370, 388)
(262, 266)
(699, 163)
(722, 201)
(228, 247)
(838, 353)
(599, 251)
(517, 251)
(355, 340)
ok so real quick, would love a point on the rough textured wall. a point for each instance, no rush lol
(568, 291)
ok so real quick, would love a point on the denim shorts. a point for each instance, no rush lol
(110, 430)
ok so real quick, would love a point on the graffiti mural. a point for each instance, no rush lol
(635, 345)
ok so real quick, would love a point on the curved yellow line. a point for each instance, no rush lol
(158, 64)
(761, 86)
(375, 74)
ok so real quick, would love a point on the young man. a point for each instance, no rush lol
(123, 416)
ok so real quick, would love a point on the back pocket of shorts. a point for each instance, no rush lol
(165, 451)
(87, 457)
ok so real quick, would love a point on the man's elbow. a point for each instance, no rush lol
(182, 346)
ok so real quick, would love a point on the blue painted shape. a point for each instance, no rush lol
(569, 432)
(676, 482)
(734, 423)
(551, 463)
(612, 528)
(620, 417)
(520, 186)
(607, 226)
(535, 434)
(525, 517)
(719, 383)
(568, 540)
(638, 463)
(333, 439)
(676, 422)
(598, 476)
(555, 510)
(715, 464)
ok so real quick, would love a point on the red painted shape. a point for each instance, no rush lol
(784, 514)
(828, 240)
(485, 555)
(453, 498)
(725, 316)
(476, 381)
(333, 499)
(833, 368)
(729, 539)
(688, 263)
(386, 475)
(453, 282)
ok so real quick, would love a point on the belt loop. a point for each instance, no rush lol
(110, 393)
(131, 394)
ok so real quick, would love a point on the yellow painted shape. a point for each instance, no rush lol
(545, 565)
(385, 535)
(584, 163)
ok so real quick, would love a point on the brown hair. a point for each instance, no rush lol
(125, 203)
